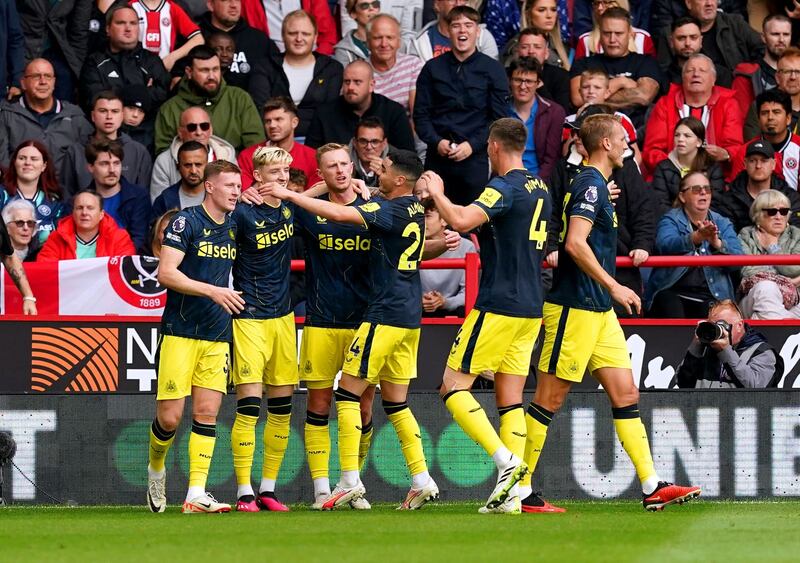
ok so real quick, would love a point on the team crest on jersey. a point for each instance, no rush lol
(179, 224)
(591, 194)
(231, 234)
(286, 213)
(791, 163)
(43, 210)
(489, 197)
(165, 22)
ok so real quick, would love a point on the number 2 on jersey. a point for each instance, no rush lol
(406, 261)
(538, 232)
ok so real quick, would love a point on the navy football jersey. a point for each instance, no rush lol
(587, 197)
(209, 250)
(337, 269)
(397, 230)
(513, 244)
(263, 265)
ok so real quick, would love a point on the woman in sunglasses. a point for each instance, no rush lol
(770, 292)
(31, 176)
(19, 217)
(353, 45)
(690, 228)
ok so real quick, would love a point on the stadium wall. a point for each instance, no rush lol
(92, 449)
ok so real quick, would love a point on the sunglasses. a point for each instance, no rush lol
(192, 127)
(367, 5)
(362, 142)
(32, 224)
(697, 189)
(772, 211)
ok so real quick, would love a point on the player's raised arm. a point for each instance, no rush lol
(172, 278)
(462, 218)
(332, 211)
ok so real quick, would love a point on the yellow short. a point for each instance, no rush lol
(575, 339)
(322, 353)
(265, 351)
(383, 353)
(492, 343)
(184, 363)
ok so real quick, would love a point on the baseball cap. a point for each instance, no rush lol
(760, 147)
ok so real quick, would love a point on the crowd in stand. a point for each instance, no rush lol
(112, 109)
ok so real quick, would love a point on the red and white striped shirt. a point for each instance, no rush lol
(641, 38)
(160, 27)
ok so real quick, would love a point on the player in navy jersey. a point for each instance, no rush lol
(385, 346)
(499, 334)
(581, 329)
(196, 258)
(337, 287)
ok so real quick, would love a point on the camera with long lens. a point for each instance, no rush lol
(707, 331)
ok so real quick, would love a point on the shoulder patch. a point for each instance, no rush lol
(591, 194)
(489, 197)
(370, 207)
(179, 224)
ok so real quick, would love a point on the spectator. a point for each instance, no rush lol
(434, 39)
(280, 125)
(123, 63)
(19, 217)
(297, 180)
(159, 226)
(135, 110)
(395, 73)
(451, 123)
(87, 233)
(335, 122)
(544, 119)
(128, 204)
(407, 12)
(635, 79)
(688, 155)
(696, 96)
(97, 25)
(443, 291)
(691, 229)
(532, 42)
(270, 15)
(57, 31)
(368, 148)
(189, 190)
(740, 358)
(195, 125)
(32, 177)
(594, 89)
(137, 166)
(353, 45)
(40, 116)
(225, 47)
(788, 78)
(686, 40)
(753, 78)
(774, 110)
(770, 292)
(543, 15)
(232, 112)
(254, 50)
(589, 42)
(12, 50)
(13, 265)
(162, 26)
(310, 79)
(664, 12)
(583, 14)
(758, 176)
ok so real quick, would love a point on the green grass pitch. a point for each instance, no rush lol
(441, 532)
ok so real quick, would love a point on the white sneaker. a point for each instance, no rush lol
(512, 505)
(416, 498)
(156, 493)
(205, 504)
(360, 503)
(320, 501)
(507, 477)
(341, 496)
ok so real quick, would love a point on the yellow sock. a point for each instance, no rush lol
(201, 449)
(243, 438)
(407, 429)
(469, 415)
(363, 444)
(318, 444)
(276, 435)
(160, 442)
(536, 422)
(633, 437)
(512, 429)
(349, 412)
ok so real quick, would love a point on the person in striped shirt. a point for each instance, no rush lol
(161, 24)
(395, 73)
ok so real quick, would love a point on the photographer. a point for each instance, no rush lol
(726, 353)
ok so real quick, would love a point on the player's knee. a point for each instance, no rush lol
(629, 397)
(169, 420)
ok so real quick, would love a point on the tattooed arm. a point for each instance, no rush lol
(17, 273)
